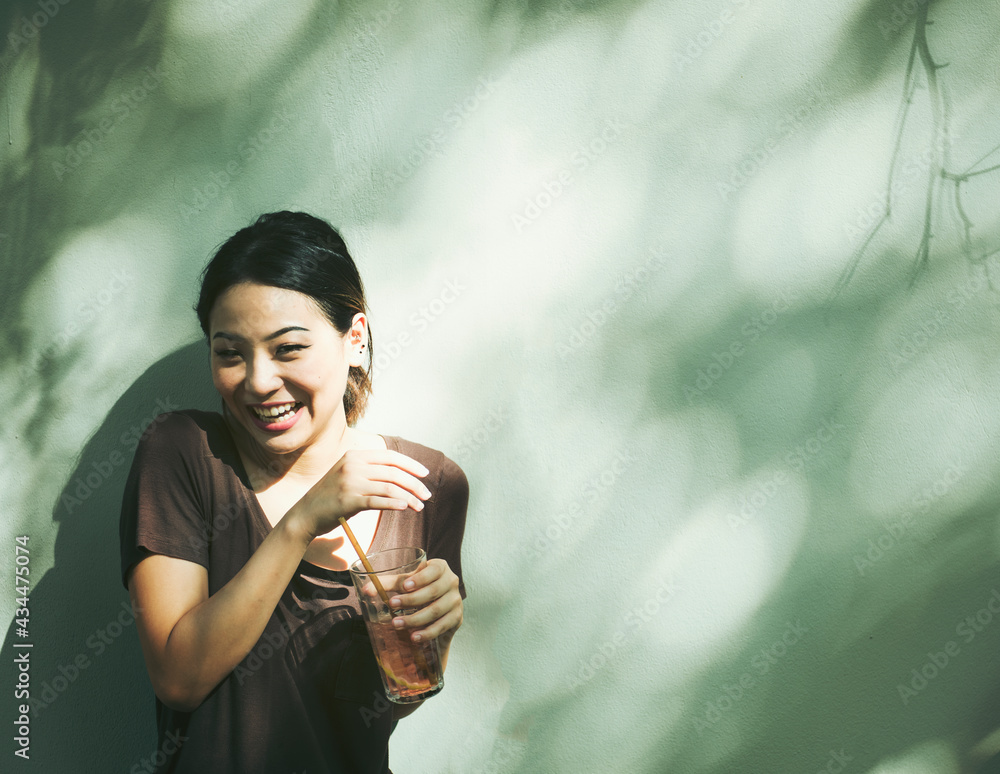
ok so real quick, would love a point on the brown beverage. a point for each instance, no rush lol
(411, 671)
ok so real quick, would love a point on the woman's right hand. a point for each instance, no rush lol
(362, 480)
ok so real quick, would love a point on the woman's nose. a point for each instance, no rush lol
(262, 377)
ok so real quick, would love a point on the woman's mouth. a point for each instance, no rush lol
(276, 417)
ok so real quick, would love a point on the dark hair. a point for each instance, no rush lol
(300, 252)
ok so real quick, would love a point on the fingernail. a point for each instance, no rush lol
(395, 602)
(417, 638)
(420, 506)
(398, 623)
(408, 584)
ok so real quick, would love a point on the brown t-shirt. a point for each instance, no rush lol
(308, 695)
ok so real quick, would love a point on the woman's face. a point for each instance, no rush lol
(280, 365)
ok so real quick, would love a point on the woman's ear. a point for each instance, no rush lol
(357, 338)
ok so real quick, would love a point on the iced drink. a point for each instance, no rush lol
(411, 671)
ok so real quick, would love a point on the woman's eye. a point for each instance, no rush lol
(287, 349)
(227, 354)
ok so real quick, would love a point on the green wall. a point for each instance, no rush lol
(702, 296)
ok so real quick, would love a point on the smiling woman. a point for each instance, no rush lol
(274, 381)
(251, 631)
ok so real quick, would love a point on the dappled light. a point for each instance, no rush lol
(703, 298)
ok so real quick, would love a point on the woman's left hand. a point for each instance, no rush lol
(434, 590)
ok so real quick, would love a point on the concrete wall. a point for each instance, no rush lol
(732, 434)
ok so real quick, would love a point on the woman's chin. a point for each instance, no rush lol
(282, 444)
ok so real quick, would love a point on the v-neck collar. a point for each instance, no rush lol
(263, 526)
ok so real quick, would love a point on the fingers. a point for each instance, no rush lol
(388, 457)
(386, 474)
(396, 483)
(373, 503)
(430, 622)
(379, 496)
(434, 590)
(365, 480)
(426, 584)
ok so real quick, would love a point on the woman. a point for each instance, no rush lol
(230, 543)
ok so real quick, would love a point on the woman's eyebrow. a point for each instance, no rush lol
(276, 334)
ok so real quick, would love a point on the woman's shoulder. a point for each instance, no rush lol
(431, 458)
(186, 430)
(441, 467)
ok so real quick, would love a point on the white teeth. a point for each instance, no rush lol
(273, 411)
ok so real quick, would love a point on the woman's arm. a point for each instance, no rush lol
(191, 641)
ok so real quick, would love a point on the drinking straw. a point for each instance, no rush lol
(417, 654)
(364, 561)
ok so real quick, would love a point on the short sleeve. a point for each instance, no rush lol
(447, 528)
(164, 507)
